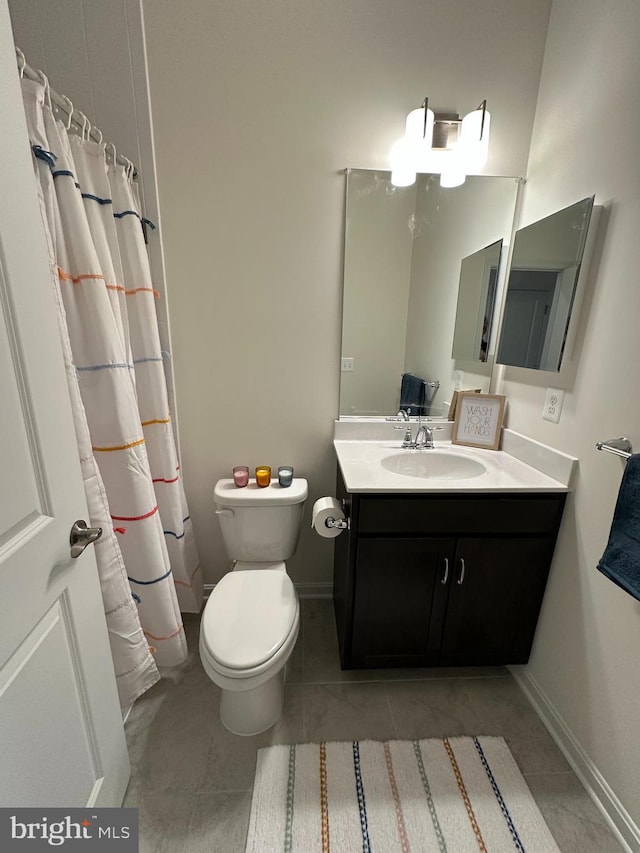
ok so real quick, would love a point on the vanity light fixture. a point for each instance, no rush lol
(443, 144)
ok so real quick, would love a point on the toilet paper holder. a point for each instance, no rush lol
(339, 523)
(329, 517)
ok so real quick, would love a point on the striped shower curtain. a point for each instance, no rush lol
(147, 560)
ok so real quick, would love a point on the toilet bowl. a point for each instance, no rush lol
(251, 621)
(249, 628)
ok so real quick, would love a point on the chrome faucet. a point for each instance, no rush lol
(402, 415)
(424, 437)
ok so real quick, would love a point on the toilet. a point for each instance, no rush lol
(251, 621)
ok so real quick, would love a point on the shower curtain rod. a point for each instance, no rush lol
(74, 116)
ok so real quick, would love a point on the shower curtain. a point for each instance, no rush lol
(147, 559)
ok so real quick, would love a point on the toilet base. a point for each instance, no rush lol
(249, 712)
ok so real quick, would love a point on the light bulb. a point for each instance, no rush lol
(403, 177)
(403, 169)
(416, 130)
(452, 177)
(473, 149)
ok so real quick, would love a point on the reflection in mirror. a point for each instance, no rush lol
(404, 247)
(543, 276)
(476, 303)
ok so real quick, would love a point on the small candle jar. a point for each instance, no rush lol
(285, 475)
(241, 476)
(263, 476)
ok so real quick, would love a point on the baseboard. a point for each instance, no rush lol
(615, 814)
(320, 589)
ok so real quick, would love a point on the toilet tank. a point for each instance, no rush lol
(260, 524)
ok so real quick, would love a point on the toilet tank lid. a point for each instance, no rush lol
(226, 493)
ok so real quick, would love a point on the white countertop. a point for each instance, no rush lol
(362, 472)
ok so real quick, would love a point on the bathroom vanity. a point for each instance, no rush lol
(441, 572)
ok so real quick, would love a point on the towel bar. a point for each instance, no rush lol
(618, 446)
(430, 390)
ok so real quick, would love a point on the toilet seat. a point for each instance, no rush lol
(248, 618)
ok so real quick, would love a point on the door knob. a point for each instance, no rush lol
(81, 536)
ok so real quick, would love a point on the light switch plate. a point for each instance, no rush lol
(553, 405)
(346, 365)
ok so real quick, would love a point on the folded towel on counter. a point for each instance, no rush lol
(412, 394)
(621, 559)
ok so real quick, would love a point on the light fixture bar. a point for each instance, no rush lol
(483, 107)
(446, 130)
(425, 107)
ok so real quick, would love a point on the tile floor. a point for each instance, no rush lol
(192, 779)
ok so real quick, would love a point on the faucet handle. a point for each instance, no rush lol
(407, 441)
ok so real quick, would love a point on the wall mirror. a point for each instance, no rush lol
(541, 290)
(409, 251)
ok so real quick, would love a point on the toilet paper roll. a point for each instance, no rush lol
(323, 509)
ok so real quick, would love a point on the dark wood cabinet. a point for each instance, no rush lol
(442, 579)
(398, 597)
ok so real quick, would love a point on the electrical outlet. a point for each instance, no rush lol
(346, 365)
(553, 405)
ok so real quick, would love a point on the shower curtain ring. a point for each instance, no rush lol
(113, 148)
(69, 109)
(47, 87)
(97, 131)
(81, 121)
(21, 62)
(128, 168)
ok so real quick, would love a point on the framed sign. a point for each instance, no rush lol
(454, 401)
(478, 420)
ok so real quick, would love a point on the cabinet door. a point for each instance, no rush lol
(399, 601)
(497, 587)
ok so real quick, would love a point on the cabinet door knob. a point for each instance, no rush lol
(445, 577)
(462, 571)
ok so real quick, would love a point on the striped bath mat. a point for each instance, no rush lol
(457, 795)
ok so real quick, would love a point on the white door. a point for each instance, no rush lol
(61, 733)
(526, 317)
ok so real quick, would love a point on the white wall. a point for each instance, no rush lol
(585, 140)
(258, 108)
(85, 48)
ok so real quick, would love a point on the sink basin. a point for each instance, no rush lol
(433, 464)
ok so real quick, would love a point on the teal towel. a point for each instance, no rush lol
(621, 559)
